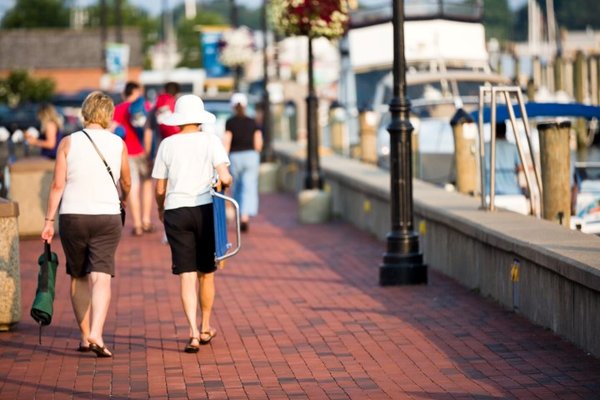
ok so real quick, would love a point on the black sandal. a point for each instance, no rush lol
(211, 335)
(101, 352)
(190, 348)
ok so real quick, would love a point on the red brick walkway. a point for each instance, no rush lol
(300, 316)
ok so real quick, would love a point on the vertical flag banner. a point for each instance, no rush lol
(117, 62)
(210, 39)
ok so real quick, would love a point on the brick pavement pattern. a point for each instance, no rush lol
(300, 316)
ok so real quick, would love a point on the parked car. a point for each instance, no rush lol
(69, 106)
(218, 105)
(587, 197)
(21, 117)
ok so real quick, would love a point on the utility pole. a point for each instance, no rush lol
(103, 32)
(233, 14)
(268, 148)
(233, 20)
(163, 13)
(119, 20)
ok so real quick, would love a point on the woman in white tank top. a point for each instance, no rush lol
(90, 217)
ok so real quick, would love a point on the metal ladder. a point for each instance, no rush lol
(535, 193)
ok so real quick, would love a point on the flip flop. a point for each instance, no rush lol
(211, 335)
(190, 347)
(101, 352)
(84, 349)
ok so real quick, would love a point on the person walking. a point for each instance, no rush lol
(508, 164)
(165, 105)
(89, 215)
(184, 168)
(243, 140)
(139, 148)
(51, 126)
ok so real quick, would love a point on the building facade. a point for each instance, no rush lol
(74, 59)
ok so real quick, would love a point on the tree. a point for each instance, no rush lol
(214, 12)
(130, 16)
(18, 87)
(520, 23)
(188, 38)
(37, 14)
(570, 14)
(249, 17)
(497, 19)
(577, 15)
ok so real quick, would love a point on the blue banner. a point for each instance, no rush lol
(210, 55)
(117, 58)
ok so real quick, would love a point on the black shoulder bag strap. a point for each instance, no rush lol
(109, 172)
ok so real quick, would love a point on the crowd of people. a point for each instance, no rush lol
(129, 156)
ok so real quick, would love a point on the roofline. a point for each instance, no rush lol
(379, 21)
(437, 10)
(415, 78)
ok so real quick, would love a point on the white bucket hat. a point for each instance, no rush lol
(238, 98)
(189, 109)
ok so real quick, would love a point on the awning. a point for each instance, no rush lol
(535, 110)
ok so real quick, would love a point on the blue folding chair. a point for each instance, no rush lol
(223, 248)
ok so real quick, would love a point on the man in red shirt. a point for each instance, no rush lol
(138, 149)
(165, 105)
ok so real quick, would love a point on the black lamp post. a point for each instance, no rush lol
(267, 153)
(314, 178)
(402, 262)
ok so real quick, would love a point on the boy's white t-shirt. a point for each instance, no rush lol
(187, 161)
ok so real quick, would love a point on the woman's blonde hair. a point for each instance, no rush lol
(97, 108)
(47, 113)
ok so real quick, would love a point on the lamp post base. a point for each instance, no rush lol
(314, 206)
(402, 270)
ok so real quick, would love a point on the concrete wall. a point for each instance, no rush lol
(30, 181)
(10, 276)
(557, 280)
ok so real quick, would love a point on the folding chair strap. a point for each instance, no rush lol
(45, 268)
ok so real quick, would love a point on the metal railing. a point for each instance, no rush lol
(535, 191)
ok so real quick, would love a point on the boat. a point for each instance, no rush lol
(447, 62)
(586, 210)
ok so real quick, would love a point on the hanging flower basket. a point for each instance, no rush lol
(236, 47)
(312, 18)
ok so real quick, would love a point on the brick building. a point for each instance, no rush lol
(72, 58)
